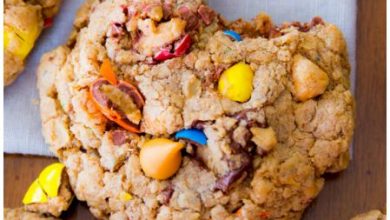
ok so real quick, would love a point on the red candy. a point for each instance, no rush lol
(163, 55)
(181, 47)
(48, 22)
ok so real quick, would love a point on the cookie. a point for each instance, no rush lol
(371, 215)
(56, 195)
(48, 195)
(22, 214)
(165, 110)
(23, 22)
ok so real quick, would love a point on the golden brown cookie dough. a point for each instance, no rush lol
(264, 157)
(22, 214)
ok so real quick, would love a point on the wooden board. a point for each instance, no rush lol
(360, 188)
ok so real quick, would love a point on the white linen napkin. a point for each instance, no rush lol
(22, 126)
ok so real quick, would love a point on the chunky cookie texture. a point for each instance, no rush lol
(265, 155)
(22, 214)
(23, 22)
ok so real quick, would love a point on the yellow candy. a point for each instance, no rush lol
(7, 36)
(160, 158)
(124, 196)
(20, 42)
(236, 82)
(50, 179)
(34, 194)
(46, 185)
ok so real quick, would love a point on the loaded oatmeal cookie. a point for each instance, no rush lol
(23, 22)
(164, 110)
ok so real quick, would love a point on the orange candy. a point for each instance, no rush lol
(109, 77)
(107, 72)
(160, 158)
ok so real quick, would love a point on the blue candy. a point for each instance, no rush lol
(233, 35)
(192, 134)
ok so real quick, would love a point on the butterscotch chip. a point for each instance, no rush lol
(309, 80)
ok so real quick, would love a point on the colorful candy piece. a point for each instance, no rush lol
(20, 42)
(110, 99)
(234, 35)
(192, 134)
(107, 72)
(183, 45)
(180, 48)
(118, 100)
(46, 185)
(8, 36)
(34, 194)
(235, 83)
(125, 196)
(50, 179)
(160, 158)
(164, 54)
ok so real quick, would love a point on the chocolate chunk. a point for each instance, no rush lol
(302, 27)
(167, 10)
(224, 182)
(240, 135)
(190, 17)
(275, 32)
(217, 74)
(103, 100)
(98, 95)
(235, 147)
(316, 21)
(117, 29)
(228, 179)
(125, 10)
(198, 124)
(166, 195)
(206, 13)
(110, 125)
(261, 152)
(119, 137)
(191, 152)
(242, 115)
(133, 93)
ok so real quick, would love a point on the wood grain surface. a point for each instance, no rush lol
(358, 189)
